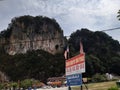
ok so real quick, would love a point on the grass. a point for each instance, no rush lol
(97, 86)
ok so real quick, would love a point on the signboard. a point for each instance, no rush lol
(73, 80)
(75, 65)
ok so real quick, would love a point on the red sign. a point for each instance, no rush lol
(75, 65)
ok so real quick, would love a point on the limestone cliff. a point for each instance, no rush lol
(31, 33)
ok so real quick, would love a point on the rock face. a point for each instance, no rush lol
(3, 77)
(31, 33)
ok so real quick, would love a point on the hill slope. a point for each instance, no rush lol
(32, 33)
(102, 52)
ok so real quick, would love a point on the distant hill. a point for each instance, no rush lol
(32, 33)
(102, 51)
(32, 47)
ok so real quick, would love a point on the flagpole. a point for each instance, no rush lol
(66, 55)
(81, 51)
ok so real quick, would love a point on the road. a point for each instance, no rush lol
(62, 88)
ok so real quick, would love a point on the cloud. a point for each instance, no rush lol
(92, 15)
(70, 14)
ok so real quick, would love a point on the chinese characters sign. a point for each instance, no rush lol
(75, 65)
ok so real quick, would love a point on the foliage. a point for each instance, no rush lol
(13, 84)
(99, 78)
(113, 88)
(115, 64)
(102, 52)
(27, 23)
(27, 26)
(26, 83)
(93, 65)
(34, 64)
(118, 15)
(30, 83)
(1, 86)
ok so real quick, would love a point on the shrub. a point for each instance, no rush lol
(14, 85)
(1, 86)
(99, 78)
(113, 88)
(26, 83)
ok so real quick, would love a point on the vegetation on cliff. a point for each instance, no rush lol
(27, 22)
(34, 64)
(102, 52)
(26, 33)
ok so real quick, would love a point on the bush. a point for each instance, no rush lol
(113, 88)
(26, 83)
(1, 86)
(99, 78)
(14, 85)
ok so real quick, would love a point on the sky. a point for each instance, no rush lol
(95, 15)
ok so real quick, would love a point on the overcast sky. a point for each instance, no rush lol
(70, 14)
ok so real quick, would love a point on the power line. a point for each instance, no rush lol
(112, 29)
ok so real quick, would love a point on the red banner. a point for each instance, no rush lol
(75, 65)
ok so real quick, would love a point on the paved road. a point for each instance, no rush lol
(62, 88)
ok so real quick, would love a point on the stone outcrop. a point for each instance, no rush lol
(3, 77)
(32, 33)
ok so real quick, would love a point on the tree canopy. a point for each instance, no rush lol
(102, 52)
(34, 64)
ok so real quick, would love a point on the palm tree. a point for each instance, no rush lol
(118, 15)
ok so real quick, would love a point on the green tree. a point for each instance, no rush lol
(115, 65)
(38, 64)
(99, 77)
(99, 48)
(93, 65)
(26, 83)
(118, 15)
